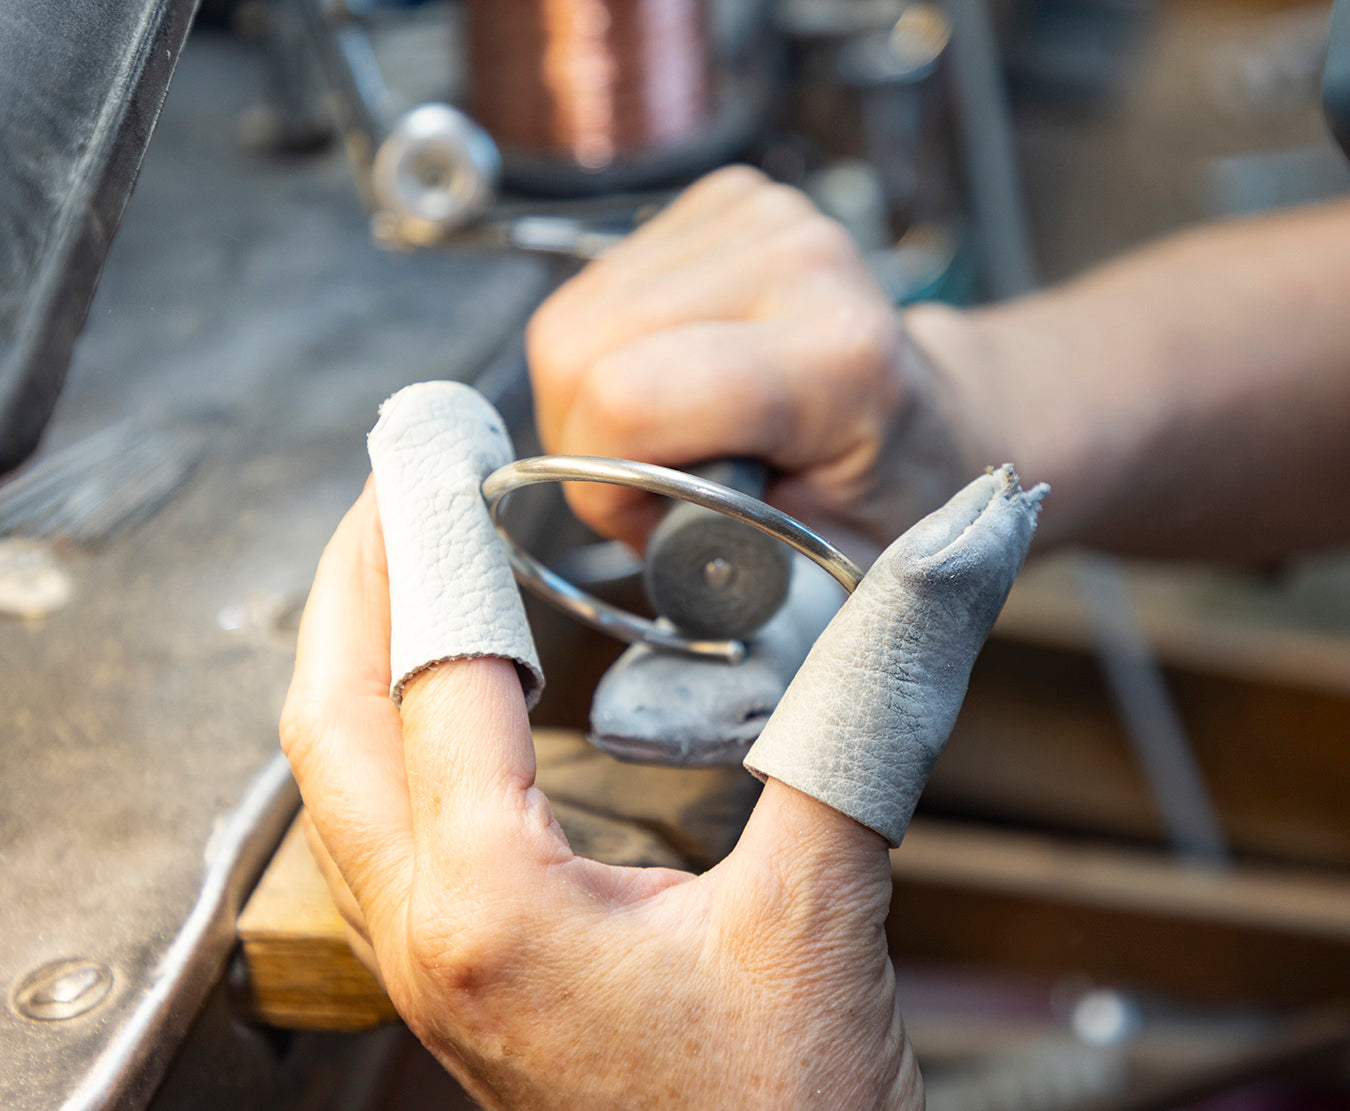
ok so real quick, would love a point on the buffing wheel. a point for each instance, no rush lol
(713, 576)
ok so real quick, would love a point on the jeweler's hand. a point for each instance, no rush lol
(540, 979)
(742, 322)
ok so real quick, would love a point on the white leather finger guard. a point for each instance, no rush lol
(861, 725)
(451, 593)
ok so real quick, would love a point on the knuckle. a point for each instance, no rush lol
(781, 205)
(728, 181)
(559, 330)
(541, 325)
(466, 958)
(819, 241)
(299, 723)
(546, 335)
(872, 338)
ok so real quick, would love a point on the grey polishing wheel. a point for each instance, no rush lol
(715, 577)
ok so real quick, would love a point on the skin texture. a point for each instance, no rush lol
(544, 980)
(741, 322)
(865, 718)
(1191, 399)
(1186, 400)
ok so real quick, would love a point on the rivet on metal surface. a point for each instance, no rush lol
(61, 990)
(32, 582)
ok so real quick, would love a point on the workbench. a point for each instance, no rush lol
(143, 794)
(142, 788)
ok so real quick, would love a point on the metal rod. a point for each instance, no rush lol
(987, 140)
(1150, 716)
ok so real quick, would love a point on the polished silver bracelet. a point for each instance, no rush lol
(620, 623)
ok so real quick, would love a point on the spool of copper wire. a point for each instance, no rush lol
(590, 83)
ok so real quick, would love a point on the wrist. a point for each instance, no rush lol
(998, 374)
(958, 357)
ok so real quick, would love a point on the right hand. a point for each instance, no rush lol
(740, 321)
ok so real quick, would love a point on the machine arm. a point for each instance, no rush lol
(81, 85)
(1336, 76)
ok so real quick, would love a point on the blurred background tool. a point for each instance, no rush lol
(1336, 75)
(580, 98)
(606, 97)
(89, 491)
(594, 95)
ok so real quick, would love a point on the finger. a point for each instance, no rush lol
(812, 842)
(711, 390)
(339, 729)
(807, 879)
(809, 876)
(699, 216)
(482, 828)
(470, 767)
(364, 952)
(718, 223)
(669, 275)
(610, 309)
(715, 191)
(343, 899)
(461, 638)
(354, 927)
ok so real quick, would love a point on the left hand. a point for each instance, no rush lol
(544, 980)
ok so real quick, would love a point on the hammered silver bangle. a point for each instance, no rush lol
(619, 623)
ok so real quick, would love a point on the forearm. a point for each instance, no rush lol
(1191, 399)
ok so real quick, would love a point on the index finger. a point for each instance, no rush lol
(339, 730)
(461, 644)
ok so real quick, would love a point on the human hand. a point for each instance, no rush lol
(541, 979)
(742, 322)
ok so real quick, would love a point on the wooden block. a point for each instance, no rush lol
(301, 974)
(1192, 618)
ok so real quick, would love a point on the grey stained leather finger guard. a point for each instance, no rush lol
(451, 593)
(863, 722)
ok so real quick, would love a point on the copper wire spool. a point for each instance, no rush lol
(590, 82)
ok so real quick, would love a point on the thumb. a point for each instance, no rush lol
(814, 849)
(850, 746)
